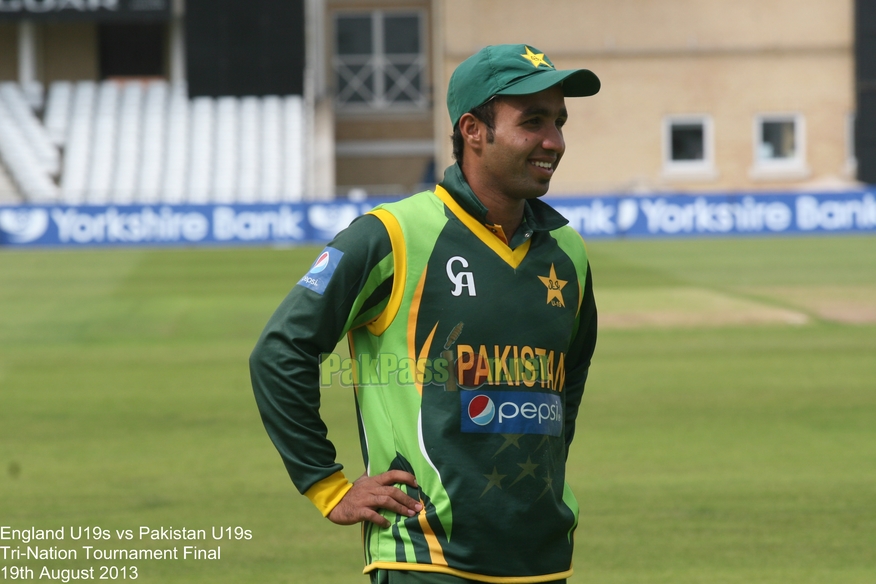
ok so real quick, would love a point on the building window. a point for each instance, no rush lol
(778, 141)
(380, 61)
(779, 147)
(688, 147)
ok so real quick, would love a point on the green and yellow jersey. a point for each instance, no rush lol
(468, 355)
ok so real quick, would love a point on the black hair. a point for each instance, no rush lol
(486, 112)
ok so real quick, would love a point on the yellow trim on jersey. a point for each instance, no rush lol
(400, 267)
(436, 553)
(421, 360)
(327, 493)
(512, 257)
(413, 312)
(412, 333)
(468, 575)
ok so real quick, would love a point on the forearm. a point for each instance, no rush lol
(284, 374)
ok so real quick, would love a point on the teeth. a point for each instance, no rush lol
(543, 164)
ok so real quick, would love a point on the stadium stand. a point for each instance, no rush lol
(146, 142)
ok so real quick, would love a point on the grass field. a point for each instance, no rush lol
(728, 431)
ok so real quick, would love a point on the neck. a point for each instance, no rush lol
(501, 209)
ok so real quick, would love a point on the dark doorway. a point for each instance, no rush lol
(132, 50)
(245, 48)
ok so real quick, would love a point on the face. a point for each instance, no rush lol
(527, 144)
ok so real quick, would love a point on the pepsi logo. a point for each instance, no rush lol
(512, 412)
(321, 263)
(481, 410)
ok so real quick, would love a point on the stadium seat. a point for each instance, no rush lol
(57, 114)
(103, 157)
(77, 152)
(293, 166)
(153, 153)
(227, 149)
(201, 150)
(129, 142)
(271, 161)
(175, 169)
(250, 150)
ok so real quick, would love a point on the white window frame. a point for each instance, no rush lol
(697, 170)
(379, 64)
(792, 168)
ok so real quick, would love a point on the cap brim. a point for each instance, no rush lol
(575, 83)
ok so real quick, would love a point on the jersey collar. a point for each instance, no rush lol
(537, 215)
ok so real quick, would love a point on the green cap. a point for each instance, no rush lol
(511, 70)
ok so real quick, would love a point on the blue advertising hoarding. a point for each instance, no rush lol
(704, 215)
(119, 225)
(298, 223)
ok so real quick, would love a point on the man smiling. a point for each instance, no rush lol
(471, 310)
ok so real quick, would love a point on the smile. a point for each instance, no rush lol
(546, 165)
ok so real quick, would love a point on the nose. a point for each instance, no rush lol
(553, 140)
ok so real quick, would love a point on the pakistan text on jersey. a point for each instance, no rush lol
(508, 365)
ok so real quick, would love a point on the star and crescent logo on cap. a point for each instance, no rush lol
(536, 59)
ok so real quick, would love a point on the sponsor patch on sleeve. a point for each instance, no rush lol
(511, 412)
(322, 270)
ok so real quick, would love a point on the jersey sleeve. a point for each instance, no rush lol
(347, 287)
(579, 356)
(583, 341)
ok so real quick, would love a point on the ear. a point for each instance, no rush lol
(474, 132)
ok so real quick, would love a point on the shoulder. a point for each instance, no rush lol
(419, 203)
(411, 217)
(365, 234)
(572, 244)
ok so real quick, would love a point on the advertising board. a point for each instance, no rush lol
(299, 223)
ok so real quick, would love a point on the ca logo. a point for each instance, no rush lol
(462, 279)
